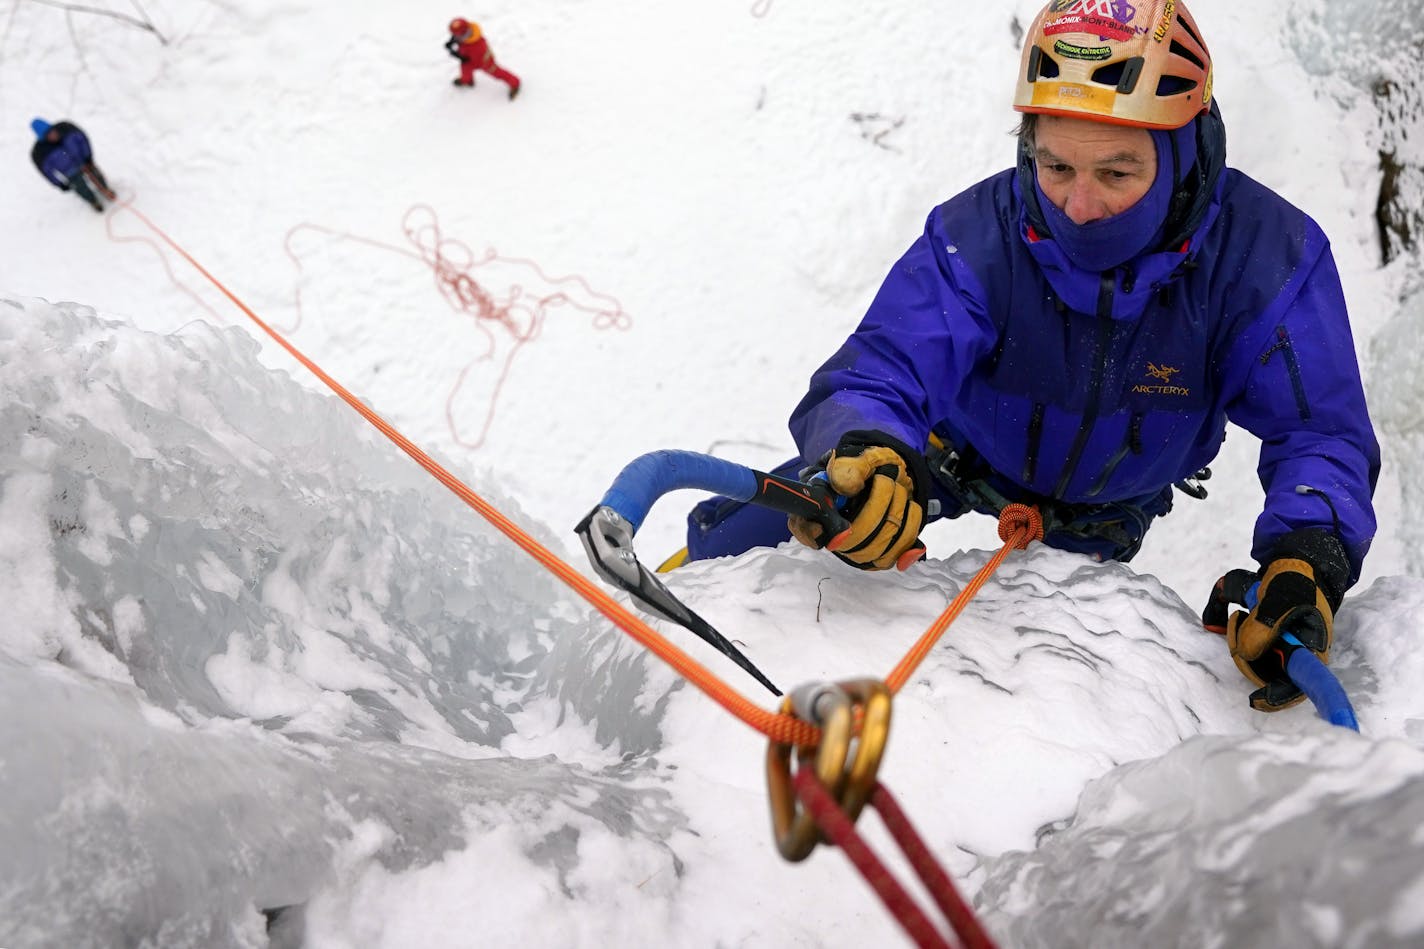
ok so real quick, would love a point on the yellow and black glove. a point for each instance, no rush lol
(1300, 588)
(886, 483)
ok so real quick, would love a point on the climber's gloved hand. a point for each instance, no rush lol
(1300, 588)
(886, 483)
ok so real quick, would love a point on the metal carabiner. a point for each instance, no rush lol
(872, 700)
(836, 709)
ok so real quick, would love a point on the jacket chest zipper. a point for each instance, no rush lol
(1283, 344)
(1095, 384)
(1133, 443)
(1035, 436)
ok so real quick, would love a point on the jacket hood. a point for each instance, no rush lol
(1134, 282)
(1193, 206)
(1195, 187)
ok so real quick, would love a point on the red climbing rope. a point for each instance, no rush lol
(840, 831)
(508, 319)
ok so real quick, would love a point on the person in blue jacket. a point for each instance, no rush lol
(1076, 331)
(62, 154)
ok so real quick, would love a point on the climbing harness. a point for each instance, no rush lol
(1108, 530)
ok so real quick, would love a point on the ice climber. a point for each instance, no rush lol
(63, 155)
(1075, 332)
(468, 44)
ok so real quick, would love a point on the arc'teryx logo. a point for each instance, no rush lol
(1163, 375)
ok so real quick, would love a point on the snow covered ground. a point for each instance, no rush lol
(256, 659)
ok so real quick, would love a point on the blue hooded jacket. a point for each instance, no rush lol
(1091, 387)
(61, 161)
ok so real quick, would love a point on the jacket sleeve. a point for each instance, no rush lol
(905, 364)
(1303, 397)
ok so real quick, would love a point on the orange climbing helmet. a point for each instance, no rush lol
(1111, 61)
(464, 30)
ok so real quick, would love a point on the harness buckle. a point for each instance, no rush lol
(1192, 486)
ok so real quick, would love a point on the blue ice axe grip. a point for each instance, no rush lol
(1317, 681)
(1314, 678)
(648, 477)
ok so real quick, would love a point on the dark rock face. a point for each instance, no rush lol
(1399, 210)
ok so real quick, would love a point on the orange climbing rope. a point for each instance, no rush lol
(1018, 524)
(782, 728)
(786, 729)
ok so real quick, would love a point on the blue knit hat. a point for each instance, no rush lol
(40, 126)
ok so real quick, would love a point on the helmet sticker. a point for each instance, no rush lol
(1168, 11)
(1074, 51)
(1083, 23)
(1109, 19)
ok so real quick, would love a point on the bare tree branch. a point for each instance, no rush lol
(874, 127)
(143, 24)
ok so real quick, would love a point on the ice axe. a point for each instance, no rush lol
(607, 531)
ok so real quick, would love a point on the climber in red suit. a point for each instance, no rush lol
(467, 44)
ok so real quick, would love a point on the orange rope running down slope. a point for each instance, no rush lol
(782, 728)
(1018, 525)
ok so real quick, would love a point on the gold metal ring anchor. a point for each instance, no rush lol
(835, 709)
